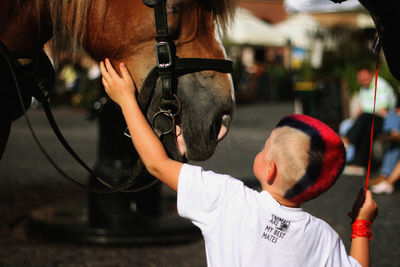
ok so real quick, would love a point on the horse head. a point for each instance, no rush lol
(124, 31)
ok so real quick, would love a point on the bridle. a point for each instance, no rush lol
(168, 68)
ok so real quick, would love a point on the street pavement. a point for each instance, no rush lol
(29, 182)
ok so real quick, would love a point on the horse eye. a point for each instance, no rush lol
(174, 11)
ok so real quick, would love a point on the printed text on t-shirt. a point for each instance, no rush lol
(275, 229)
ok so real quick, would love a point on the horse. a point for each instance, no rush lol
(176, 58)
(124, 31)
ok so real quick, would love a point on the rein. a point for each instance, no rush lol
(168, 68)
(376, 50)
(41, 94)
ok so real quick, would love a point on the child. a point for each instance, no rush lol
(301, 159)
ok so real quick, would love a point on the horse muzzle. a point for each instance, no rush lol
(207, 111)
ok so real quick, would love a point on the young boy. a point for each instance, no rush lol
(301, 159)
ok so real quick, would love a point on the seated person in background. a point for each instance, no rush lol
(386, 186)
(391, 137)
(359, 133)
(345, 125)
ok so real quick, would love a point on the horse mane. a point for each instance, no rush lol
(76, 15)
(222, 10)
(76, 12)
(61, 11)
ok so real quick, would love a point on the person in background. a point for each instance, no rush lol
(386, 186)
(359, 133)
(389, 173)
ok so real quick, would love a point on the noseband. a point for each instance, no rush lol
(168, 68)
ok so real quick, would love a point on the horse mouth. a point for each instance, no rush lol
(222, 132)
(180, 142)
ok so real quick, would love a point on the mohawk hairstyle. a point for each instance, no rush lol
(326, 158)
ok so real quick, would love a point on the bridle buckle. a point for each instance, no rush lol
(163, 55)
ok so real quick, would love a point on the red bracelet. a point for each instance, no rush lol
(361, 228)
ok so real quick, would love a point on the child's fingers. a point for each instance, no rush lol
(370, 200)
(105, 83)
(103, 71)
(126, 75)
(110, 68)
(368, 196)
(370, 208)
(124, 71)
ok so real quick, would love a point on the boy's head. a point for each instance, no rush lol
(308, 156)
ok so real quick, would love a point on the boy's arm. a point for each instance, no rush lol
(360, 250)
(146, 142)
(360, 245)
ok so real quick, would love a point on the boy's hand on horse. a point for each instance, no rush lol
(121, 89)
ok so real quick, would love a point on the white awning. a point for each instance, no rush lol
(300, 29)
(293, 6)
(248, 29)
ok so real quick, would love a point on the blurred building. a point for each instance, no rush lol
(350, 13)
(280, 46)
(271, 11)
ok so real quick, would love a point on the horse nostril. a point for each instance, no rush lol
(225, 122)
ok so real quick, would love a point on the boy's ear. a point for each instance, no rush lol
(271, 172)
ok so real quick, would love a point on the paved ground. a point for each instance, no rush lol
(28, 182)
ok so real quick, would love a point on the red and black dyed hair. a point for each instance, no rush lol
(326, 160)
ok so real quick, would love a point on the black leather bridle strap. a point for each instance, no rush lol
(191, 65)
(164, 49)
(160, 14)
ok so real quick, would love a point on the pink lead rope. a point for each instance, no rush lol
(376, 50)
(361, 195)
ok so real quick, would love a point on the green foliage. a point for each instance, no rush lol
(384, 72)
(351, 49)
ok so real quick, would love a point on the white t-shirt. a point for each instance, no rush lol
(242, 227)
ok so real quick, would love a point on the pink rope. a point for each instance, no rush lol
(372, 123)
